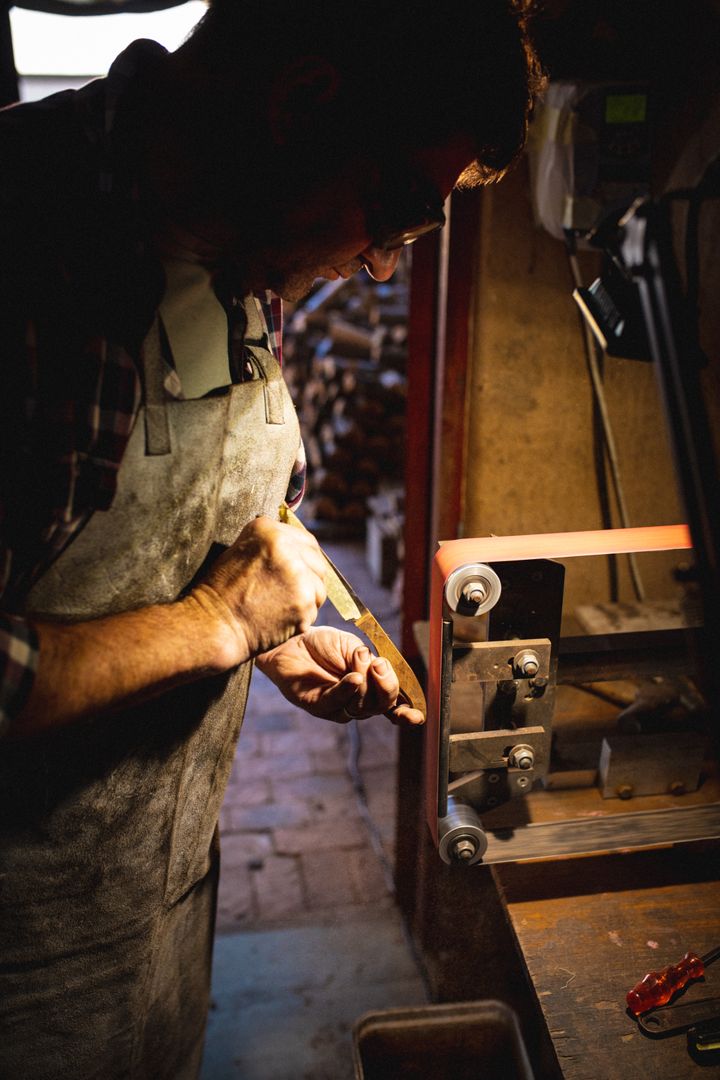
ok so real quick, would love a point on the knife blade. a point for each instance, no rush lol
(350, 607)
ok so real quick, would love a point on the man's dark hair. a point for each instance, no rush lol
(413, 72)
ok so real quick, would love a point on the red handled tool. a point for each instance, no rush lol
(659, 986)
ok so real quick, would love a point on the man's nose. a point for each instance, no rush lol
(380, 264)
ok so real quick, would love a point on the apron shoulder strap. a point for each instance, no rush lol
(256, 339)
(157, 427)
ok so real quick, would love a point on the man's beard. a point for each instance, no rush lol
(256, 275)
(293, 286)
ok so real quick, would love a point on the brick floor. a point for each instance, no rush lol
(294, 844)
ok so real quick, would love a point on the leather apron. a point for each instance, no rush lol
(108, 828)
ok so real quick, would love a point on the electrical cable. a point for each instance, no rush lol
(604, 491)
(592, 353)
(361, 798)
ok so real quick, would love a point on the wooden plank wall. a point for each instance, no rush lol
(529, 415)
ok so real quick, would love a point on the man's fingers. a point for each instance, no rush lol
(382, 691)
(385, 677)
(361, 659)
(272, 583)
(383, 685)
(369, 686)
(344, 701)
(405, 714)
(387, 683)
(305, 546)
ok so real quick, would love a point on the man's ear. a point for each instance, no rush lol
(298, 93)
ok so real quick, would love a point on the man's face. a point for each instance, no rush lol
(325, 234)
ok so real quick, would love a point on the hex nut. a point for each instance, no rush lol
(475, 592)
(465, 583)
(461, 839)
(522, 757)
(526, 664)
(463, 849)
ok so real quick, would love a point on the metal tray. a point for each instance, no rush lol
(474, 1040)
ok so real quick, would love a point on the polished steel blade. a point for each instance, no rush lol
(341, 595)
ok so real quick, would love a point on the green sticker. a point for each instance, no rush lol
(625, 108)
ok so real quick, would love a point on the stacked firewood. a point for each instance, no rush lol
(345, 359)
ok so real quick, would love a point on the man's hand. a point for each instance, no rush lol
(267, 587)
(332, 674)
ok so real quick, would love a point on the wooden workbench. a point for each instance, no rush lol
(589, 929)
(586, 929)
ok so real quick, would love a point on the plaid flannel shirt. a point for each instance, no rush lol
(72, 389)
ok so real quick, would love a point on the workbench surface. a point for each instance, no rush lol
(589, 929)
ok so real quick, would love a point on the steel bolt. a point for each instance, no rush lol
(526, 664)
(522, 781)
(475, 592)
(463, 849)
(624, 791)
(522, 757)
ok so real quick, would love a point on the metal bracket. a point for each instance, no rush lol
(652, 763)
(486, 789)
(494, 661)
(514, 675)
(491, 749)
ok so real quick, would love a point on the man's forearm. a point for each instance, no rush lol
(265, 588)
(91, 667)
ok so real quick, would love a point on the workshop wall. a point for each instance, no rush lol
(529, 453)
(700, 148)
(529, 426)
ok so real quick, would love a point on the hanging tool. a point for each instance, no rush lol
(658, 987)
(348, 605)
